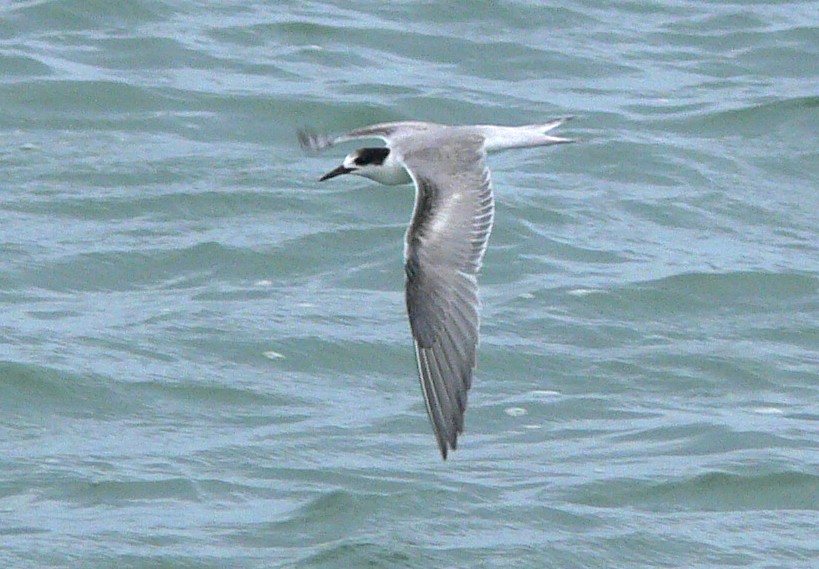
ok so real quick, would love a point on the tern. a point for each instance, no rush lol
(445, 242)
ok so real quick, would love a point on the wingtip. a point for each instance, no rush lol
(447, 447)
(443, 447)
(447, 444)
(312, 142)
(305, 136)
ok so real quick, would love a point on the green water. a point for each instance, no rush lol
(204, 355)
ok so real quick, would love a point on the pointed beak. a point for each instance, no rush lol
(337, 172)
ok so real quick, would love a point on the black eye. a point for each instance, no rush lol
(374, 156)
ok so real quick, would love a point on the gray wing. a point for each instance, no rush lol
(445, 244)
(313, 142)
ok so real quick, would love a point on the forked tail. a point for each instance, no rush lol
(505, 137)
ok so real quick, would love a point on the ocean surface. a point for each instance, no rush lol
(204, 354)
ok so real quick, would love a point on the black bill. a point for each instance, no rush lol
(337, 172)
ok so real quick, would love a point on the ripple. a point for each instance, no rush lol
(712, 491)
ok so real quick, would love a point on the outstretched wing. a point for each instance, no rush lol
(445, 244)
(314, 142)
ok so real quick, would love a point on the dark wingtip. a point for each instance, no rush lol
(446, 445)
(306, 136)
(312, 142)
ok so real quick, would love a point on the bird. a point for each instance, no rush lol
(445, 242)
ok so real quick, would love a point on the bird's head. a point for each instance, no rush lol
(360, 162)
(373, 163)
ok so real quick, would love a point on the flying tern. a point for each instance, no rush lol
(445, 242)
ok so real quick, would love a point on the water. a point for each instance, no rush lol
(204, 357)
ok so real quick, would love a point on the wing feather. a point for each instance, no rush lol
(314, 142)
(446, 242)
